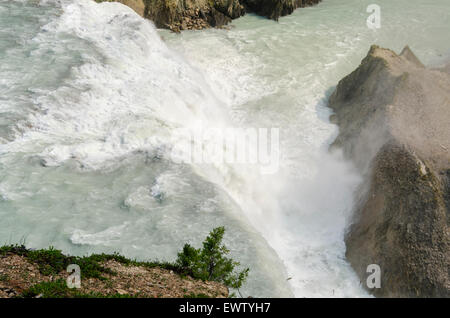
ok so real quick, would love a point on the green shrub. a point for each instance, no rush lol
(210, 262)
(56, 289)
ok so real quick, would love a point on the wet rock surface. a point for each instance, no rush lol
(394, 116)
(178, 15)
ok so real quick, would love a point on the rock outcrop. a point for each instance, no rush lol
(178, 15)
(44, 275)
(394, 120)
(273, 9)
(192, 14)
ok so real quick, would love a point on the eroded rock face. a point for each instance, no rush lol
(178, 15)
(394, 120)
(231, 8)
(192, 14)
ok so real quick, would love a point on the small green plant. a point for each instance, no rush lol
(50, 261)
(4, 278)
(210, 262)
(56, 289)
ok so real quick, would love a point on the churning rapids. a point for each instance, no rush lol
(91, 93)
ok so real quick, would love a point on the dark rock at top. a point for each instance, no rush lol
(273, 9)
(178, 15)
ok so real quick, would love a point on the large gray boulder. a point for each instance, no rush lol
(394, 120)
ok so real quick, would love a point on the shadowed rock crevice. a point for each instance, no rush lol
(274, 9)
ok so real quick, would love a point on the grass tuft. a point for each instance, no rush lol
(59, 289)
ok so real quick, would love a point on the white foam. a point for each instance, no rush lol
(106, 237)
(127, 99)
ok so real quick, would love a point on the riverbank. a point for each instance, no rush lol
(26, 273)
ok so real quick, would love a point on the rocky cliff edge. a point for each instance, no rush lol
(394, 119)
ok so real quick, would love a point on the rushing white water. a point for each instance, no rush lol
(90, 97)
